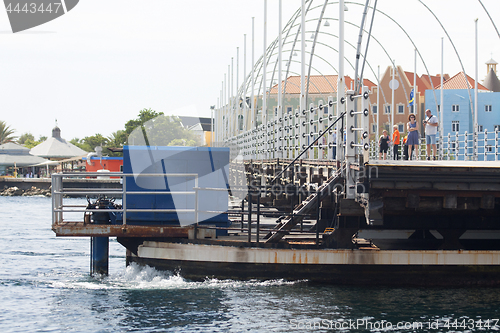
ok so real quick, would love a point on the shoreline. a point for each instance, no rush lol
(43, 186)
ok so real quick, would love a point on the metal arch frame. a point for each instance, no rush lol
(458, 56)
(290, 26)
(488, 13)
(409, 38)
(353, 24)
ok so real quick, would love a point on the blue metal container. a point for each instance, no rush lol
(208, 167)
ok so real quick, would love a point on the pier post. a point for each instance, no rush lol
(99, 251)
(99, 255)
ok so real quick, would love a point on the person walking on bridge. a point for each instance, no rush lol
(412, 141)
(396, 140)
(383, 142)
(431, 125)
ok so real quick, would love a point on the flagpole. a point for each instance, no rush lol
(340, 84)
(280, 73)
(475, 100)
(441, 108)
(264, 85)
(378, 106)
(392, 89)
(415, 105)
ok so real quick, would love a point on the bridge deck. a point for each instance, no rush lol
(440, 164)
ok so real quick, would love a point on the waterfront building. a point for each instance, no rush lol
(458, 105)
(14, 156)
(491, 80)
(405, 84)
(112, 164)
(200, 126)
(57, 148)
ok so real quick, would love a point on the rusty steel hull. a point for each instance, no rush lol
(358, 267)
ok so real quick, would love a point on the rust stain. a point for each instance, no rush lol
(79, 229)
(316, 259)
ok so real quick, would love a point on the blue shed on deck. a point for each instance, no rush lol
(192, 182)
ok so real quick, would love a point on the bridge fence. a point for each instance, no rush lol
(288, 135)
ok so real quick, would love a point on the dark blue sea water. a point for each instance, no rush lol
(45, 287)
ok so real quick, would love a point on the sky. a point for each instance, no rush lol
(97, 66)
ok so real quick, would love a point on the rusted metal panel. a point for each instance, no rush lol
(432, 193)
(364, 275)
(79, 229)
(234, 254)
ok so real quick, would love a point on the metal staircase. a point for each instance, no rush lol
(288, 222)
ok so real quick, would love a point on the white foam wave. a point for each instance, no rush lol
(145, 277)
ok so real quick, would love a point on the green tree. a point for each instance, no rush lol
(88, 143)
(116, 140)
(155, 129)
(28, 140)
(144, 116)
(182, 142)
(161, 131)
(25, 136)
(76, 142)
(6, 133)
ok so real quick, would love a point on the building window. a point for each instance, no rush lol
(455, 126)
(325, 109)
(487, 108)
(412, 109)
(401, 109)
(387, 109)
(401, 128)
(374, 109)
(288, 109)
(455, 108)
(374, 128)
(396, 72)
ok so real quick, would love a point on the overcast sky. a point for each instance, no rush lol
(97, 66)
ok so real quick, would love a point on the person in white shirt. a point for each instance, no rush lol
(431, 126)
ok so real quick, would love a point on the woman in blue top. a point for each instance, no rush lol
(412, 141)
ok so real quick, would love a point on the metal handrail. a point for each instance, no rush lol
(58, 191)
(308, 147)
(483, 145)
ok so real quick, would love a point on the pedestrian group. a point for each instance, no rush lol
(411, 140)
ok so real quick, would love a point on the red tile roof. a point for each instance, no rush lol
(423, 82)
(436, 80)
(460, 81)
(318, 84)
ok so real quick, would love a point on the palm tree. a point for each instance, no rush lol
(6, 133)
